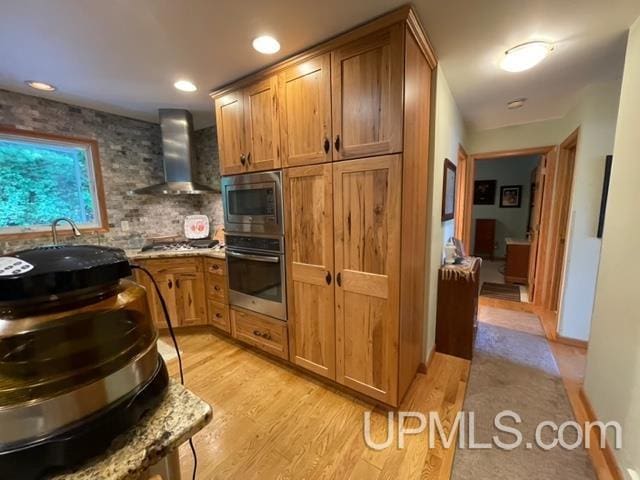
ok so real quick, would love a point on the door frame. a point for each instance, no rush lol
(468, 193)
(562, 199)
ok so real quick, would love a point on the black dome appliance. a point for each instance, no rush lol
(78, 357)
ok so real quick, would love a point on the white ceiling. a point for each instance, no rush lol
(123, 56)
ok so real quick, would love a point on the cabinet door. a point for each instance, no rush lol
(310, 276)
(367, 240)
(305, 112)
(262, 126)
(168, 289)
(366, 81)
(155, 309)
(191, 299)
(230, 128)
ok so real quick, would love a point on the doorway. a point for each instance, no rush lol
(547, 194)
(506, 204)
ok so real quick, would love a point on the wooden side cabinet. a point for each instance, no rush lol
(517, 264)
(457, 317)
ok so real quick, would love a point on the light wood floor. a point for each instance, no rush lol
(270, 421)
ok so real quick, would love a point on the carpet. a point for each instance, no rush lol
(501, 291)
(514, 370)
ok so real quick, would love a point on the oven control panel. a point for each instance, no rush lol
(264, 244)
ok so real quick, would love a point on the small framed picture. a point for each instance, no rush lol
(484, 192)
(510, 196)
(449, 191)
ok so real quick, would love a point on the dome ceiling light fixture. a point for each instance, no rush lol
(525, 56)
(517, 103)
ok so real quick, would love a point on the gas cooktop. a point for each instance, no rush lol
(179, 245)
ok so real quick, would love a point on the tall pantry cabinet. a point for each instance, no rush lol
(353, 141)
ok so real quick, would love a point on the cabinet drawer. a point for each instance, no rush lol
(260, 331)
(174, 265)
(215, 266)
(219, 315)
(217, 288)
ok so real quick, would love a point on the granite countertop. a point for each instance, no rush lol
(200, 252)
(517, 241)
(179, 416)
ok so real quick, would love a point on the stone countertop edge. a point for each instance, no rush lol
(138, 255)
(178, 417)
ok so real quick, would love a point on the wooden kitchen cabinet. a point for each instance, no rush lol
(305, 112)
(310, 277)
(366, 81)
(263, 332)
(262, 125)
(367, 210)
(230, 129)
(354, 206)
(248, 128)
(182, 284)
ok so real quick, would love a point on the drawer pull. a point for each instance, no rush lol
(265, 335)
(217, 288)
(218, 315)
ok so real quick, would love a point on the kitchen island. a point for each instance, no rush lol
(151, 447)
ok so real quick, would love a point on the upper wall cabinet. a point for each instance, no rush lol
(249, 128)
(230, 127)
(366, 80)
(262, 125)
(305, 112)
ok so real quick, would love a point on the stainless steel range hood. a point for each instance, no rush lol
(178, 156)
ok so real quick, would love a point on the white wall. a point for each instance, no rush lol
(595, 114)
(510, 222)
(612, 380)
(448, 132)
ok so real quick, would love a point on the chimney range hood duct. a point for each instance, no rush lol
(176, 126)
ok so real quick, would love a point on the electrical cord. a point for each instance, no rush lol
(167, 319)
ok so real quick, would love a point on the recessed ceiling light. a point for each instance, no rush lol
(525, 56)
(185, 86)
(266, 44)
(517, 103)
(45, 87)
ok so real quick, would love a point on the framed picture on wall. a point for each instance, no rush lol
(448, 190)
(510, 196)
(484, 192)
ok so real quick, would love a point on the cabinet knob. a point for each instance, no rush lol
(327, 145)
(218, 315)
(328, 278)
(337, 143)
(243, 158)
(217, 288)
(249, 158)
(339, 279)
(169, 284)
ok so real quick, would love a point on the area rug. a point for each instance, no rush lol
(513, 370)
(501, 291)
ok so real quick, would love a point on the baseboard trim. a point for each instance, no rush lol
(424, 367)
(572, 342)
(607, 452)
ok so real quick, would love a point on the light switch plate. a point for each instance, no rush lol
(124, 225)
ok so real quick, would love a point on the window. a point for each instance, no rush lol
(44, 177)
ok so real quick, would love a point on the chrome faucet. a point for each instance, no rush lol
(54, 234)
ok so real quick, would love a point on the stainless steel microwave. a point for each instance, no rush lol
(252, 203)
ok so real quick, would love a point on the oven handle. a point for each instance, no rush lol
(257, 258)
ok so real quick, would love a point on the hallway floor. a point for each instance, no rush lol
(493, 271)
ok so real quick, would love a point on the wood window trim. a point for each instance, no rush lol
(89, 143)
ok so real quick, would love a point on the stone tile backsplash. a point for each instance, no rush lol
(130, 158)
